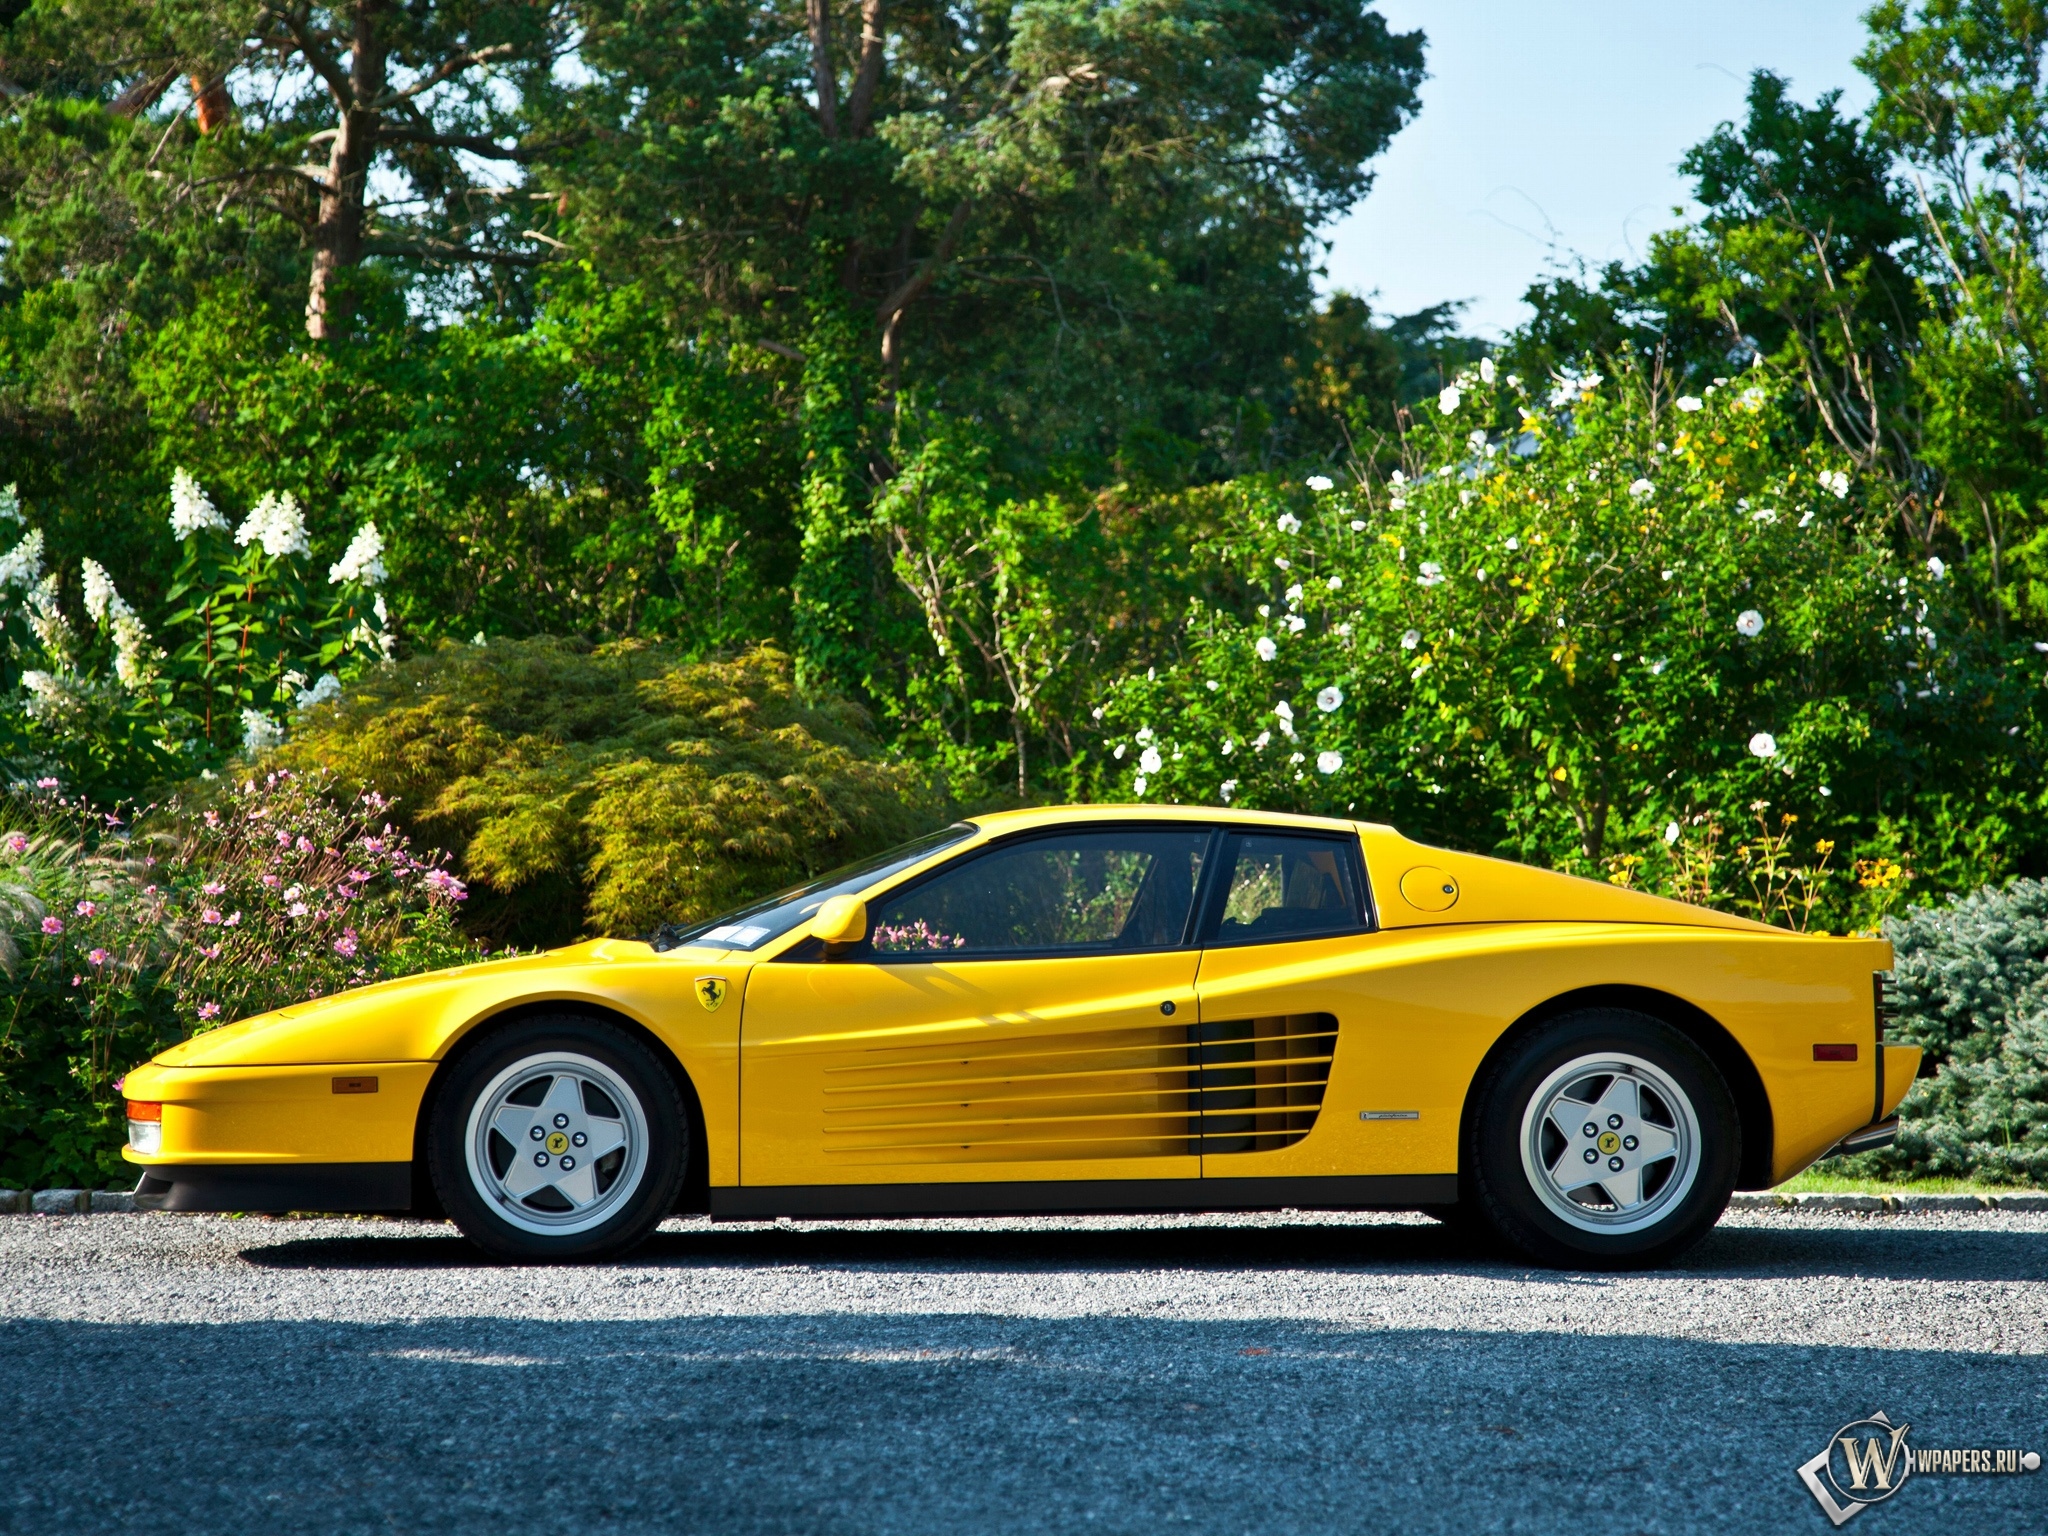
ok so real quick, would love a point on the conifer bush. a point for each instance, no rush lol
(1973, 994)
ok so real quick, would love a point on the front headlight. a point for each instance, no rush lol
(145, 1127)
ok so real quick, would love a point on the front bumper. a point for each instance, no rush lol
(273, 1188)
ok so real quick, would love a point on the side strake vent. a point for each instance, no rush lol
(1240, 1085)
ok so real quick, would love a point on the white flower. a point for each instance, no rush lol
(1138, 784)
(1212, 685)
(362, 561)
(1750, 399)
(1329, 762)
(1229, 788)
(1296, 623)
(1145, 734)
(1749, 623)
(1288, 522)
(1149, 761)
(22, 566)
(1449, 398)
(190, 510)
(134, 656)
(1294, 593)
(1261, 741)
(1486, 370)
(1266, 648)
(1358, 525)
(1398, 503)
(1432, 574)
(259, 732)
(1827, 791)
(1321, 483)
(1121, 749)
(1228, 747)
(1335, 584)
(101, 600)
(1286, 713)
(1670, 833)
(1837, 481)
(1283, 562)
(1641, 487)
(1935, 568)
(10, 504)
(1690, 402)
(1340, 629)
(1512, 544)
(1410, 639)
(278, 525)
(1330, 699)
(329, 687)
(1763, 744)
(1265, 610)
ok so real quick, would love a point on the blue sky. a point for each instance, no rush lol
(1553, 128)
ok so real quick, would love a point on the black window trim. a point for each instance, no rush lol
(1205, 914)
(862, 955)
(1213, 900)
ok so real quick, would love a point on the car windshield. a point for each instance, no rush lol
(752, 926)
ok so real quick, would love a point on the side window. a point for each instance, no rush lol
(1287, 887)
(1072, 893)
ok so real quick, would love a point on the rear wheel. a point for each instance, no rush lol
(1607, 1139)
(558, 1138)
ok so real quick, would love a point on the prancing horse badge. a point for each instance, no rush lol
(711, 992)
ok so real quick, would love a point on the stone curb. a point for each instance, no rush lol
(64, 1202)
(1894, 1204)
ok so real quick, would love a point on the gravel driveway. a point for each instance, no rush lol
(1229, 1374)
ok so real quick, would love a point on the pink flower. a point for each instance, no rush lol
(112, 819)
(359, 877)
(210, 954)
(234, 920)
(88, 909)
(371, 845)
(209, 1010)
(53, 925)
(346, 944)
(441, 883)
(284, 838)
(149, 890)
(17, 842)
(210, 915)
(305, 845)
(213, 818)
(78, 981)
(99, 957)
(298, 909)
(272, 881)
(46, 783)
(213, 887)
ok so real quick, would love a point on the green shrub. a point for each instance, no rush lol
(613, 789)
(1973, 994)
(122, 939)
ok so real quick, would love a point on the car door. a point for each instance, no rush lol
(1022, 1013)
(1287, 1024)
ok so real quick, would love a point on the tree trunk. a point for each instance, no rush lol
(338, 237)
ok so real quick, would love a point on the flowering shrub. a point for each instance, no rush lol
(900, 938)
(124, 936)
(104, 706)
(1563, 636)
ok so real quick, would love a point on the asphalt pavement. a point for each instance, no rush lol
(1229, 1374)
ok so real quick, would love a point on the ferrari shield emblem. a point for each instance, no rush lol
(711, 992)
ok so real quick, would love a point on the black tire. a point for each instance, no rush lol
(634, 1099)
(1517, 1183)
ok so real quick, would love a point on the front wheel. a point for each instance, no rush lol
(1607, 1139)
(558, 1138)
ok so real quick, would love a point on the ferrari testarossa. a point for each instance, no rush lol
(1111, 1009)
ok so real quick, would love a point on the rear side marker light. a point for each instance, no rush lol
(1834, 1052)
(355, 1085)
(145, 1126)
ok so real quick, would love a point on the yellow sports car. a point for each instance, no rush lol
(1078, 1009)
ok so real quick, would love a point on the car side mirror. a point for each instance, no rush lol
(841, 920)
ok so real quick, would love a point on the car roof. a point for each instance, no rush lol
(1068, 815)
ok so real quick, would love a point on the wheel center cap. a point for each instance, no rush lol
(559, 1143)
(1609, 1142)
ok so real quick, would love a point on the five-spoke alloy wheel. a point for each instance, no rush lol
(558, 1138)
(1603, 1138)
